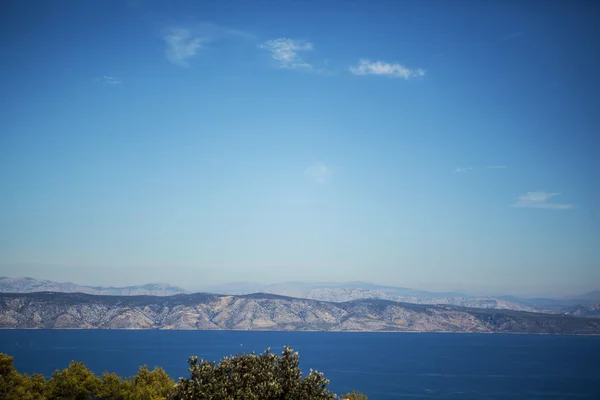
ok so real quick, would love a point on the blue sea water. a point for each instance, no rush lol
(382, 365)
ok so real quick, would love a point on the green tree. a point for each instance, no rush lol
(249, 377)
(8, 376)
(76, 382)
(151, 385)
(252, 377)
(11, 381)
(34, 387)
(16, 386)
(112, 387)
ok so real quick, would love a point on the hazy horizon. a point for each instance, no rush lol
(249, 286)
(442, 146)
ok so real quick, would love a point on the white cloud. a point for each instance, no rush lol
(111, 80)
(319, 173)
(182, 44)
(285, 52)
(463, 169)
(366, 67)
(540, 200)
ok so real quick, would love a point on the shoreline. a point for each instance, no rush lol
(299, 331)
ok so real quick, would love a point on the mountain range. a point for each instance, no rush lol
(31, 285)
(342, 291)
(585, 305)
(50, 310)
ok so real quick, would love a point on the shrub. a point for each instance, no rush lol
(252, 377)
(249, 377)
(76, 382)
(354, 395)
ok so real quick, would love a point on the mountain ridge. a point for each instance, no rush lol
(267, 311)
(325, 291)
(33, 285)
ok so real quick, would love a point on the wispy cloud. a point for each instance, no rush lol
(319, 173)
(111, 80)
(540, 200)
(382, 68)
(182, 45)
(496, 167)
(184, 42)
(286, 52)
(463, 169)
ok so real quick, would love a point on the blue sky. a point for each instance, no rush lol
(435, 145)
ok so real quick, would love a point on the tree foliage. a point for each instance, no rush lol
(76, 382)
(16, 386)
(354, 395)
(252, 377)
(151, 385)
(249, 377)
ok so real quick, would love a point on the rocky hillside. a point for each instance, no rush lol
(269, 312)
(585, 310)
(31, 285)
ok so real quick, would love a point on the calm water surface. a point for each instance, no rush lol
(383, 365)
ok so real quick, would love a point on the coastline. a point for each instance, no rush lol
(299, 331)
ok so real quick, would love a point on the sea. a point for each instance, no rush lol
(381, 365)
